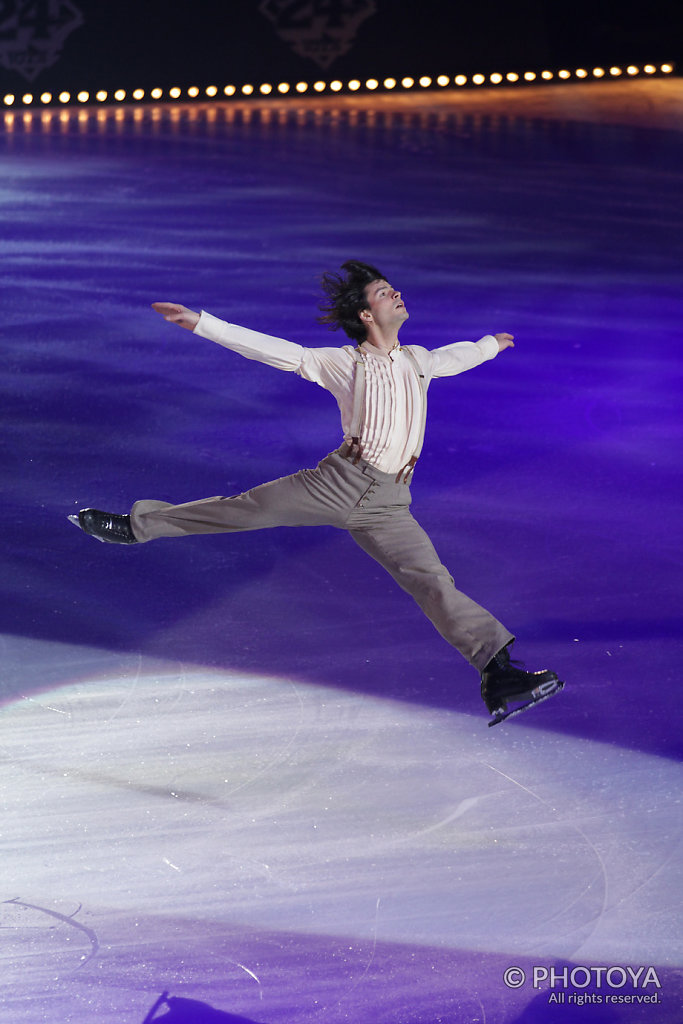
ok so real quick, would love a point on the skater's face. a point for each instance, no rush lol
(386, 308)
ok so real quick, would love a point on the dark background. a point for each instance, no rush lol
(72, 44)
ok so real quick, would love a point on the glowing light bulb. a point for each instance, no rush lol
(598, 72)
(283, 87)
(478, 79)
(460, 79)
(247, 90)
(319, 86)
(443, 80)
(425, 81)
(265, 89)
(27, 98)
(46, 97)
(496, 78)
(408, 83)
(529, 76)
(64, 97)
(371, 83)
(389, 83)
(354, 85)
(512, 76)
(335, 86)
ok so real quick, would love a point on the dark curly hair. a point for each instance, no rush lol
(346, 298)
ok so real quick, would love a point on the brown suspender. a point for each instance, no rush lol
(355, 451)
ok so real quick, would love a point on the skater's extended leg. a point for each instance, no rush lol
(290, 501)
(397, 541)
(310, 497)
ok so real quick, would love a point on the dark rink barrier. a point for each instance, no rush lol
(75, 45)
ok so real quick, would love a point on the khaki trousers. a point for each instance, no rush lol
(376, 512)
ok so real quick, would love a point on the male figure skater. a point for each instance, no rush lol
(364, 486)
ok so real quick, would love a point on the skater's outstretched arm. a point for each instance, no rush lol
(251, 344)
(450, 360)
(177, 314)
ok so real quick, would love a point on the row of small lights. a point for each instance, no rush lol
(371, 84)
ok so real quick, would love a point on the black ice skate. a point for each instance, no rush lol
(503, 680)
(104, 526)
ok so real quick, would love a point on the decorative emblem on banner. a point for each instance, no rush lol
(321, 30)
(32, 33)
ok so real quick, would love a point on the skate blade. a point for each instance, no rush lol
(545, 691)
(76, 521)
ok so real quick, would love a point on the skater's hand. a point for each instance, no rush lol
(504, 341)
(176, 314)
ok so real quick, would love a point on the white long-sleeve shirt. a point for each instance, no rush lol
(393, 396)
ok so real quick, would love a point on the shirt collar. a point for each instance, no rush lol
(369, 349)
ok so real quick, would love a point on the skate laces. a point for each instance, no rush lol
(503, 661)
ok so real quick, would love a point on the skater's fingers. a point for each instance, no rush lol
(174, 313)
(166, 308)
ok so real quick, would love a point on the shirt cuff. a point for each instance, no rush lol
(489, 346)
(202, 323)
